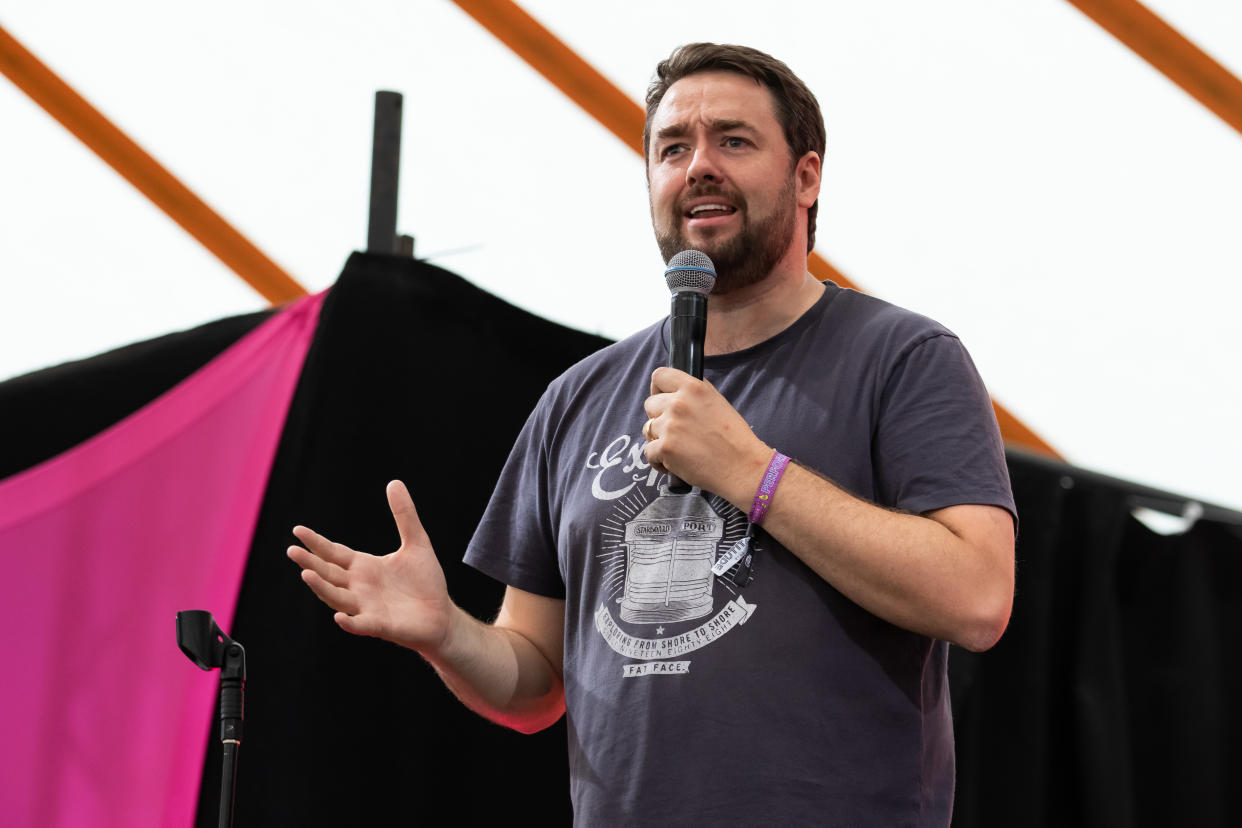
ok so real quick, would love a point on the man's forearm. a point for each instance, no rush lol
(948, 575)
(500, 674)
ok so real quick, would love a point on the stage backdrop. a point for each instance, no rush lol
(1105, 704)
(102, 545)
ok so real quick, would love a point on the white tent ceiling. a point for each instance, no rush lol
(1005, 167)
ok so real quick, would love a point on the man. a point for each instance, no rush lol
(713, 670)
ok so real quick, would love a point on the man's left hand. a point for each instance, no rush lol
(697, 435)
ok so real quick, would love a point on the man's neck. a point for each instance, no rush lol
(755, 313)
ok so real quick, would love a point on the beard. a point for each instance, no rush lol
(747, 256)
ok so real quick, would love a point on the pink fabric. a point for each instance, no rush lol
(105, 719)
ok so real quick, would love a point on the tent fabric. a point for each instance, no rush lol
(1108, 701)
(59, 407)
(1111, 700)
(413, 374)
(103, 544)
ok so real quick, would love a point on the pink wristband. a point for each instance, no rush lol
(767, 487)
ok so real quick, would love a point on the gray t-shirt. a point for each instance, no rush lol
(759, 695)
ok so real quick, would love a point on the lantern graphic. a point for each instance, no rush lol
(670, 547)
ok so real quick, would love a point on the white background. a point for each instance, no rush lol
(1005, 167)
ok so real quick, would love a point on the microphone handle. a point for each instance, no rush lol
(688, 319)
(689, 328)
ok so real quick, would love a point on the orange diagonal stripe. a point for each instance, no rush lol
(1181, 61)
(144, 172)
(586, 87)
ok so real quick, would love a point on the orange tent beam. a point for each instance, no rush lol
(583, 84)
(1166, 49)
(144, 172)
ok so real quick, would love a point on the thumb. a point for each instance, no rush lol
(409, 527)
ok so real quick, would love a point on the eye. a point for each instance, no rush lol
(672, 149)
(734, 142)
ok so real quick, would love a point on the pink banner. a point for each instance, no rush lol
(105, 720)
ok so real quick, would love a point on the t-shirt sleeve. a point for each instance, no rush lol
(937, 443)
(515, 542)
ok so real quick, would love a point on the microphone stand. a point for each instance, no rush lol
(203, 642)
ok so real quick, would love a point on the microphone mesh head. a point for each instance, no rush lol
(690, 270)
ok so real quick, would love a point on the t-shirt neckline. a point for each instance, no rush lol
(794, 329)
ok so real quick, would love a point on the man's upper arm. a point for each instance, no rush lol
(936, 440)
(539, 619)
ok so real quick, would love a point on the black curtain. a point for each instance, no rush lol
(1110, 701)
(413, 374)
(46, 412)
(1106, 703)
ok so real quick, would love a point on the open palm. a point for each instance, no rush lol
(400, 597)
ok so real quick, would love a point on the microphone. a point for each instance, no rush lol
(690, 276)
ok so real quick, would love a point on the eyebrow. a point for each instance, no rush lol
(716, 124)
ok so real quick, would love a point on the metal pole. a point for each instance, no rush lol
(385, 174)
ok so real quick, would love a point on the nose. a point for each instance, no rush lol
(703, 167)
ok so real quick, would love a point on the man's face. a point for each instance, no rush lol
(721, 177)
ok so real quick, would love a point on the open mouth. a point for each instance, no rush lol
(711, 210)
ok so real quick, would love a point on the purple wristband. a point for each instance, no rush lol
(767, 487)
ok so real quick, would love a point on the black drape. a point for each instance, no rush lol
(412, 374)
(1109, 701)
(46, 412)
(1106, 703)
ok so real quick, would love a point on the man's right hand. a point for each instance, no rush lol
(509, 671)
(400, 597)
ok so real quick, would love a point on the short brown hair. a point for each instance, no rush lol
(796, 107)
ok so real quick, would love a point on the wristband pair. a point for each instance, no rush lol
(767, 487)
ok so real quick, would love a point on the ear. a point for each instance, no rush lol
(806, 178)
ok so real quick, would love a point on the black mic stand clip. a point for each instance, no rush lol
(204, 643)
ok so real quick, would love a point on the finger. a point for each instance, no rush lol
(653, 405)
(409, 527)
(337, 553)
(336, 597)
(655, 381)
(666, 379)
(652, 452)
(330, 572)
(354, 624)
